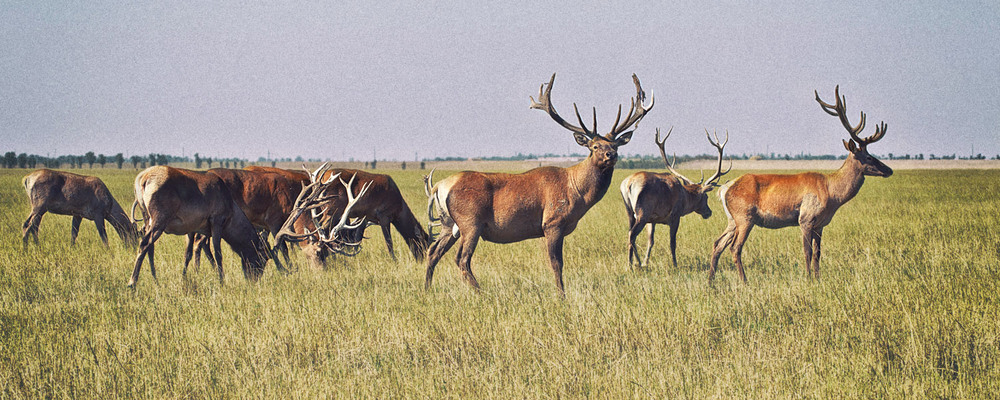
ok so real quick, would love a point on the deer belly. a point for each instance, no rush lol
(510, 234)
(772, 221)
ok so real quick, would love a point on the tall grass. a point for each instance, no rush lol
(907, 307)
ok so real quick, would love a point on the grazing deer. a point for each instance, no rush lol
(383, 206)
(77, 195)
(663, 198)
(808, 200)
(183, 202)
(543, 202)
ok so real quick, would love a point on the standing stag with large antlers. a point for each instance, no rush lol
(544, 202)
(663, 198)
(808, 200)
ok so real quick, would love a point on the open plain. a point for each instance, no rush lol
(906, 308)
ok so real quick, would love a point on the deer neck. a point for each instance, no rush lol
(845, 183)
(588, 182)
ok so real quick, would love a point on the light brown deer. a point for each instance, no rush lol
(663, 198)
(544, 202)
(80, 196)
(183, 202)
(808, 200)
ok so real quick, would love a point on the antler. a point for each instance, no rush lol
(713, 181)
(544, 103)
(331, 232)
(309, 199)
(663, 153)
(636, 111)
(840, 110)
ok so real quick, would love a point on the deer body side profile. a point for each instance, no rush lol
(808, 200)
(543, 202)
(81, 197)
(663, 198)
(183, 202)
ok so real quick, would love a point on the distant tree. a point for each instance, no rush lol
(89, 158)
(273, 164)
(152, 159)
(373, 163)
(22, 160)
(226, 163)
(161, 159)
(32, 160)
(9, 159)
(403, 165)
(209, 161)
(79, 161)
(197, 161)
(243, 164)
(119, 160)
(423, 165)
(102, 159)
(135, 161)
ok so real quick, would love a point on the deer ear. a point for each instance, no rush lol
(850, 146)
(623, 139)
(581, 139)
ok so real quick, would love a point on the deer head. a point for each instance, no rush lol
(858, 147)
(603, 149)
(699, 190)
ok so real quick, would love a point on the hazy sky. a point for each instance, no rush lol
(428, 79)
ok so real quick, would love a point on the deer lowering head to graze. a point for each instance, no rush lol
(808, 200)
(544, 202)
(663, 198)
(183, 202)
(325, 230)
(80, 196)
(383, 205)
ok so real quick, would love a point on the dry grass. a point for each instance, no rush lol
(907, 308)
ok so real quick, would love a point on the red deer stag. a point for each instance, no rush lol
(383, 206)
(183, 202)
(77, 195)
(663, 198)
(543, 202)
(808, 200)
(312, 214)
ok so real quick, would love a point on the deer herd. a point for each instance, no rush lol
(326, 211)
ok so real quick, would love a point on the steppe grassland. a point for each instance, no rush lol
(907, 307)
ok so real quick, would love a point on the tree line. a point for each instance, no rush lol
(89, 159)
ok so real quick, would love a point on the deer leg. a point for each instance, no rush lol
(630, 246)
(724, 240)
(807, 246)
(650, 233)
(633, 232)
(217, 247)
(188, 251)
(554, 240)
(464, 258)
(387, 234)
(741, 237)
(103, 233)
(817, 243)
(674, 225)
(30, 226)
(74, 230)
(145, 251)
(434, 254)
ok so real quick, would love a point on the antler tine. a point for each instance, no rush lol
(879, 133)
(720, 146)
(663, 153)
(840, 110)
(637, 110)
(351, 201)
(583, 126)
(544, 103)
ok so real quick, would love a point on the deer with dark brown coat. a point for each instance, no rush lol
(184, 202)
(383, 205)
(808, 200)
(80, 196)
(543, 202)
(663, 198)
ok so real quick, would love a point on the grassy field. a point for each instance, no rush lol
(908, 307)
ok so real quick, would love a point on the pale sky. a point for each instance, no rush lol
(426, 79)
